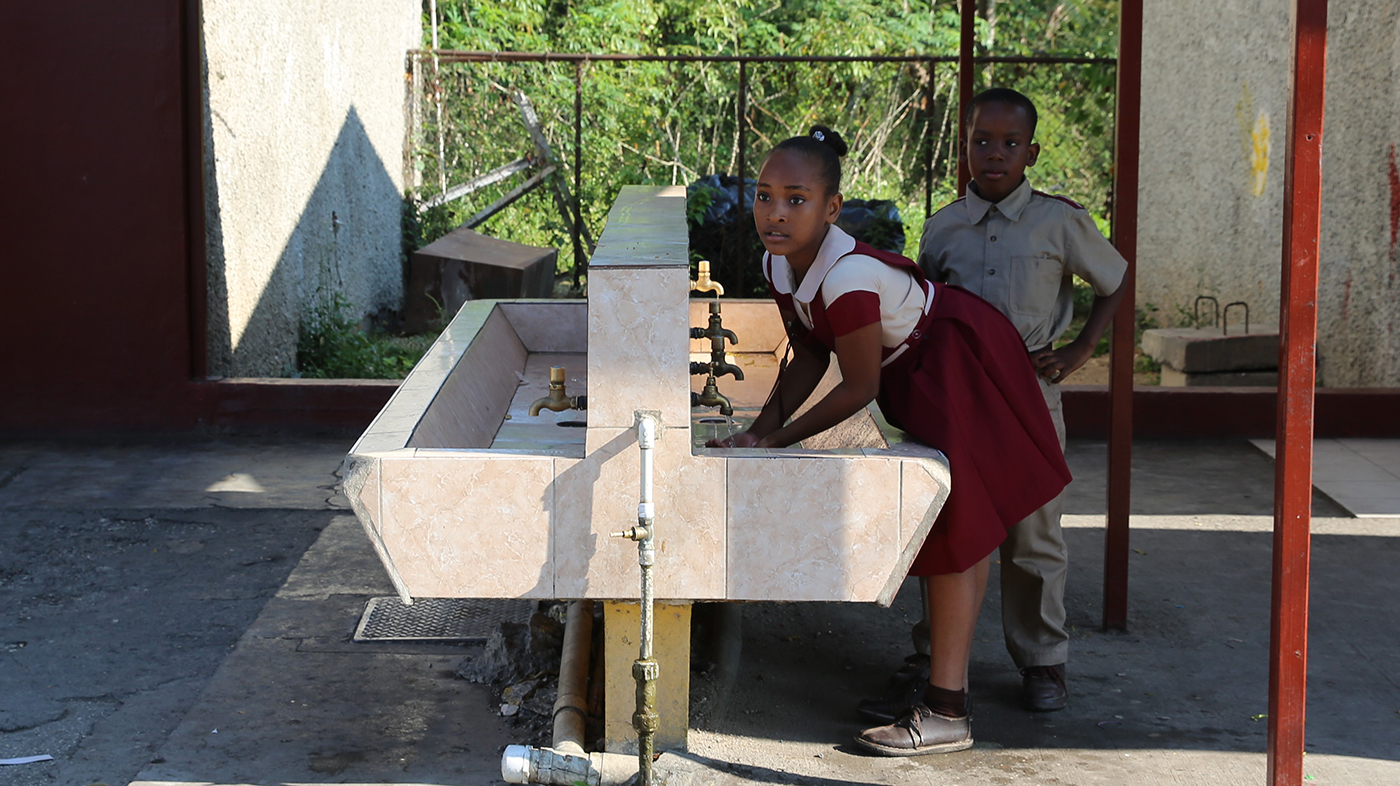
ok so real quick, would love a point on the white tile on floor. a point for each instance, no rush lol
(1361, 475)
(1326, 468)
(1361, 489)
(1385, 452)
(1374, 508)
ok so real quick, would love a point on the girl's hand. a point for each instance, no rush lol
(741, 440)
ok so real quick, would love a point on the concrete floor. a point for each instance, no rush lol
(181, 613)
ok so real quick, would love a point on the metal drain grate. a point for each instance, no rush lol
(438, 619)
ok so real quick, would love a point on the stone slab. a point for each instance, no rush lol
(1202, 350)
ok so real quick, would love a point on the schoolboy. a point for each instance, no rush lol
(1017, 248)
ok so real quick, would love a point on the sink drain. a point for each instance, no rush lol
(438, 619)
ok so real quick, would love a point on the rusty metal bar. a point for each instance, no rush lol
(1302, 209)
(1127, 118)
(743, 140)
(510, 197)
(929, 100)
(462, 56)
(966, 62)
(477, 183)
(578, 172)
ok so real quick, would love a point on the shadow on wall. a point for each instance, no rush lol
(345, 242)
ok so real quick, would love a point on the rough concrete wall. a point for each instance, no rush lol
(304, 142)
(1215, 82)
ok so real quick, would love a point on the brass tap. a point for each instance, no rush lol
(557, 400)
(702, 282)
(719, 364)
(711, 397)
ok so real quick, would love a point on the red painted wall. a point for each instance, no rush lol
(94, 262)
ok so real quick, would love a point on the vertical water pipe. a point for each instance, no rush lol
(645, 670)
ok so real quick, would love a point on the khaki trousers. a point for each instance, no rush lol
(1034, 562)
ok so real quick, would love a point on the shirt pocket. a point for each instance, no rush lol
(1035, 285)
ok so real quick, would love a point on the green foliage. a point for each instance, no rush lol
(671, 123)
(332, 346)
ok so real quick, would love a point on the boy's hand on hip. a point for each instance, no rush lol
(1056, 364)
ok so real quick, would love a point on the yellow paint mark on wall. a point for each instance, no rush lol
(1259, 153)
(1254, 138)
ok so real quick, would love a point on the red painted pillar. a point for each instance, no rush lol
(1302, 209)
(965, 74)
(1120, 428)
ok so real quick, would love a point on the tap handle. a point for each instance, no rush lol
(556, 375)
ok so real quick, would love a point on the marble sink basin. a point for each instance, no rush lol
(465, 495)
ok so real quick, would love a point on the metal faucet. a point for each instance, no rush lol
(557, 400)
(719, 365)
(702, 282)
(710, 397)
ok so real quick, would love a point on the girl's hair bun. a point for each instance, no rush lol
(829, 138)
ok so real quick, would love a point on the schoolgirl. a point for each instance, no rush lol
(944, 366)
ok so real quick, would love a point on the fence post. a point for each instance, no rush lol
(965, 74)
(578, 171)
(743, 140)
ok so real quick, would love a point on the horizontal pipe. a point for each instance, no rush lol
(465, 56)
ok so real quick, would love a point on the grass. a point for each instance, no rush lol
(333, 346)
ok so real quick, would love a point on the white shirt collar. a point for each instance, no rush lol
(837, 244)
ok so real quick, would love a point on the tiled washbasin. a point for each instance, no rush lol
(465, 495)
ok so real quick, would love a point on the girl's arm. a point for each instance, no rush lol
(794, 385)
(858, 355)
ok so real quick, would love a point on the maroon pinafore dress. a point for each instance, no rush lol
(963, 383)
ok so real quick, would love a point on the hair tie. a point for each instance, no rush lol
(819, 136)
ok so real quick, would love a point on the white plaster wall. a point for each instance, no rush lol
(1215, 73)
(304, 148)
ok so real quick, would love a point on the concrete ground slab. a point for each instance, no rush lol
(232, 473)
(294, 700)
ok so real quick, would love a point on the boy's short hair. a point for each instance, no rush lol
(1002, 95)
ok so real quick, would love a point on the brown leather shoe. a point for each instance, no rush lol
(906, 688)
(1043, 688)
(919, 731)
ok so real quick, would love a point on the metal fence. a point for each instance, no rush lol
(612, 120)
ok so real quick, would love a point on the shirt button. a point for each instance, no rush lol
(991, 272)
(994, 238)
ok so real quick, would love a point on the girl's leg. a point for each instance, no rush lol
(940, 723)
(954, 600)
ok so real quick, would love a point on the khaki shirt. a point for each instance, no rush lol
(1018, 255)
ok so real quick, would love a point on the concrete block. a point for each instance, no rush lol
(670, 650)
(1207, 350)
(465, 265)
(1172, 378)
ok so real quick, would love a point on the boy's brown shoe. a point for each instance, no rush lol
(1043, 688)
(919, 731)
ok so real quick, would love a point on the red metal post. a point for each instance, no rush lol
(965, 74)
(1120, 429)
(1302, 217)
